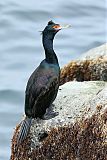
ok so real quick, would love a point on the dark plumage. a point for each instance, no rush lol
(43, 84)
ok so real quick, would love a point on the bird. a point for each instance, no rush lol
(42, 86)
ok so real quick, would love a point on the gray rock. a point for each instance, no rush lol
(95, 53)
(74, 100)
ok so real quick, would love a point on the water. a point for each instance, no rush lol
(21, 49)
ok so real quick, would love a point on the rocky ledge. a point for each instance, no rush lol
(92, 66)
(78, 129)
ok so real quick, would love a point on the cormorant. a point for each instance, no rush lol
(43, 84)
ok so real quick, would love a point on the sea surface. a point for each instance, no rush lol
(21, 48)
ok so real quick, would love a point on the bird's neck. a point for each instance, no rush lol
(49, 51)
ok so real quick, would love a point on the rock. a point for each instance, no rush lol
(75, 126)
(98, 52)
(71, 103)
(77, 104)
(92, 66)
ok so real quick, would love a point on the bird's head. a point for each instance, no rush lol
(52, 28)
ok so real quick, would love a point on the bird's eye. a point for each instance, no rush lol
(56, 26)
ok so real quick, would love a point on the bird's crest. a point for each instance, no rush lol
(50, 22)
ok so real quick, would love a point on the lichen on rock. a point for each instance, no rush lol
(91, 67)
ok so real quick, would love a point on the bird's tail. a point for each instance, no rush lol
(24, 129)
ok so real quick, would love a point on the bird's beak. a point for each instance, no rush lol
(65, 26)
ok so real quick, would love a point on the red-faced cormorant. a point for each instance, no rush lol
(43, 84)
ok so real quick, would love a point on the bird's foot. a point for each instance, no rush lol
(50, 115)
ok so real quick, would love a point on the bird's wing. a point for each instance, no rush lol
(37, 86)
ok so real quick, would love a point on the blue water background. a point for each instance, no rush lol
(21, 48)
